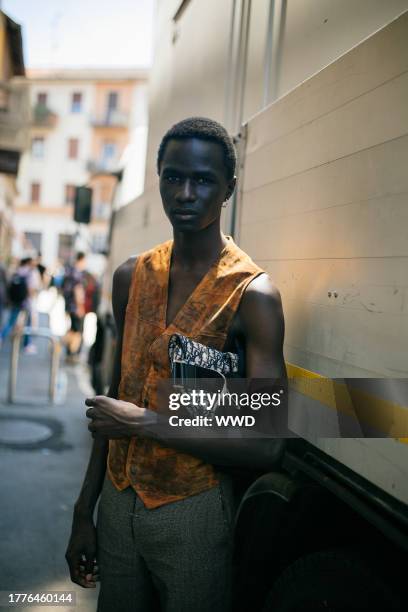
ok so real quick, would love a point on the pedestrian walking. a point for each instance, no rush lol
(166, 509)
(92, 292)
(22, 289)
(73, 289)
(35, 286)
(44, 275)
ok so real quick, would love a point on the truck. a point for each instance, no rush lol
(316, 96)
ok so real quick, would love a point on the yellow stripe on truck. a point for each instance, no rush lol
(381, 414)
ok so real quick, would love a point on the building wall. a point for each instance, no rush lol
(117, 135)
(6, 71)
(14, 109)
(50, 224)
(124, 91)
(55, 169)
(134, 157)
(52, 215)
(5, 203)
(7, 195)
(117, 131)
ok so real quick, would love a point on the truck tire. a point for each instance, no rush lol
(330, 581)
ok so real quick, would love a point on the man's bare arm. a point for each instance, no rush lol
(97, 464)
(83, 536)
(261, 321)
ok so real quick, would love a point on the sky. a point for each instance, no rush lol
(84, 33)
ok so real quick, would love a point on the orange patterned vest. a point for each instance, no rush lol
(157, 473)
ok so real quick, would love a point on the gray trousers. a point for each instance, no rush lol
(181, 550)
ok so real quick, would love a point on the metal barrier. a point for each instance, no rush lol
(54, 364)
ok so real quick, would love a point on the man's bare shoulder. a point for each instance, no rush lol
(260, 312)
(121, 281)
(262, 327)
(261, 293)
(123, 274)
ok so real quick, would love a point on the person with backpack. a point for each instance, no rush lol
(19, 292)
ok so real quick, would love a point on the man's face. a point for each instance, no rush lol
(193, 183)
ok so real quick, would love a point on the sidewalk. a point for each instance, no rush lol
(44, 450)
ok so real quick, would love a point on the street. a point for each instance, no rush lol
(43, 454)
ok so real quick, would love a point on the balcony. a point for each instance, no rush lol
(111, 118)
(42, 116)
(101, 211)
(101, 166)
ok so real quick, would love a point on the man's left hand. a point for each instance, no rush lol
(112, 418)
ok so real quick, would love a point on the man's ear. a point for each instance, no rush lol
(231, 187)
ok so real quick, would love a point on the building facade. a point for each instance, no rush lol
(81, 126)
(14, 110)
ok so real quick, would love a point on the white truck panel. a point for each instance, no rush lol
(324, 210)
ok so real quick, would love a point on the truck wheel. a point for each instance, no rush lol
(330, 581)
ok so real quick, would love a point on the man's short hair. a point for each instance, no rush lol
(205, 129)
(79, 256)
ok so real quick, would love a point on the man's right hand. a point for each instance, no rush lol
(81, 553)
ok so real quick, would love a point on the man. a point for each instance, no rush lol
(22, 291)
(42, 271)
(74, 295)
(35, 286)
(165, 515)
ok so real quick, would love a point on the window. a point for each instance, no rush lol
(76, 103)
(34, 240)
(73, 148)
(99, 243)
(65, 247)
(69, 194)
(35, 193)
(101, 210)
(108, 152)
(42, 99)
(37, 147)
(112, 100)
(112, 105)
